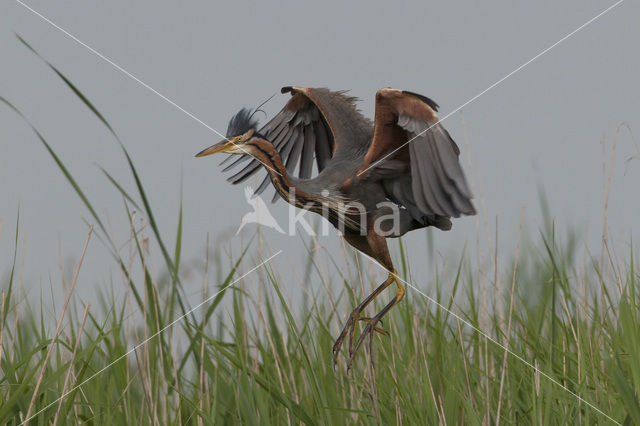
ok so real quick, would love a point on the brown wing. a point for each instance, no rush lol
(313, 124)
(415, 157)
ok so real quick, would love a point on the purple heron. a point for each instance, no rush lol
(405, 159)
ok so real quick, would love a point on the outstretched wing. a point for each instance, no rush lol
(415, 157)
(312, 126)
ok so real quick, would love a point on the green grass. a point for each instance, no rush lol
(261, 362)
(260, 357)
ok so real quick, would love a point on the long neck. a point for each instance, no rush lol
(263, 151)
(290, 188)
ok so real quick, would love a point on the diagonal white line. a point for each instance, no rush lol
(144, 342)
(491, 339)
(134, 78)
(118, 67)
(495, 84)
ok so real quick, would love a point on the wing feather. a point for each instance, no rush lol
(289, 144)
(234, 163)
(422, 182)
(295, 150)
(306, 158)
(307, 128)
(451, 166)
(435, 180)
(407, 130)
(263, 185)
(324, 145)
(416, 190)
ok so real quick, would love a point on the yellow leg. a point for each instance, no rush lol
(354, 317)
(371, 326)
(400, 292)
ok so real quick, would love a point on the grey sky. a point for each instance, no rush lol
(543, 126)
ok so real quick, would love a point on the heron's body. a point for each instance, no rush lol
(374, 179)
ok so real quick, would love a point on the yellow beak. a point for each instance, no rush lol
(219, 147)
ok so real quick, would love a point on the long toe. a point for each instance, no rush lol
(375, 327)
(368, 331)
(348, 329)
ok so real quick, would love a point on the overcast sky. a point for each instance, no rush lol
(541, 127)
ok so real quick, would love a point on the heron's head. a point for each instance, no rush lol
(242, 128)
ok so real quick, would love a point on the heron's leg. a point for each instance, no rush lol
(377, 329)
(371, 326)
(354, 317)
(373, 245)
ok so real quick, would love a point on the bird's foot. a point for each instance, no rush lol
(374, 323)
(371, 327)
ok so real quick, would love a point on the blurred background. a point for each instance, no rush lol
(546, 129)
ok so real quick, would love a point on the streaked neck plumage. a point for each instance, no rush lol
(264, 151)
(298, 192)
